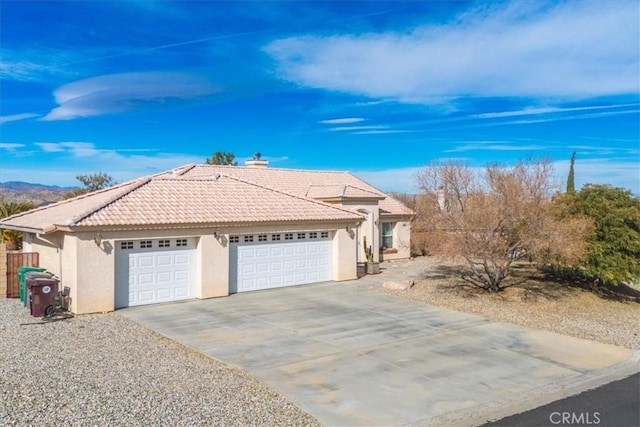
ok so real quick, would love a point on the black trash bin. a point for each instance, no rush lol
(42, 294)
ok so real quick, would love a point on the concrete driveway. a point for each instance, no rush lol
(351, 357)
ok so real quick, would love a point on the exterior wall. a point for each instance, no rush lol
(212, 266)
(401, 239)
(49, 251)
(369, 228)
(344, 255)
(95, 281)
(89, 270)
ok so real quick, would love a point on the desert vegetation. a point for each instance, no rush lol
(12, 238)
(506, 214)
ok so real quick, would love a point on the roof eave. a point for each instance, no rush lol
(226, 224)
(26, 229)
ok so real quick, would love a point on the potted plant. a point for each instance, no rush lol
(372, 266)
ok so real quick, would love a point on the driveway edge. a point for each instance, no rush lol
(481, 414)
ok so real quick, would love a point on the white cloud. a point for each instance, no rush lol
(496, 146)
(116, 93)
(342, 121)
(74, 158)
(570, 50)
(383, 132)
(16, 117)
(546, 110)
(10, 146)
(351, 128)
(77, 149)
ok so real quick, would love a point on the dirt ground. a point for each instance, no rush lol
(608, 315)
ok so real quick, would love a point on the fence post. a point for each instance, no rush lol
(3, 270)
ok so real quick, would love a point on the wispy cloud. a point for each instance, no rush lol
(116, 93)
(28, 65)
(520, 49)
(495, 146)
(16, 117)
(575, 117)
(342, 121)
(546, 110)
(77, 149)
(67, 159)
(383, 132)
(353, 128)
(9, 146)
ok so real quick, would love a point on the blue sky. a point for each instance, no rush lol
(377, 88)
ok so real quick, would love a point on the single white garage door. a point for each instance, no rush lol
(263, 261)
(154, 271)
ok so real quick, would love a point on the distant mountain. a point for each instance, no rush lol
(38, 194)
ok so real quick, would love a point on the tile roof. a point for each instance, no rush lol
(345, 191)
(206, 194)
(296, 181)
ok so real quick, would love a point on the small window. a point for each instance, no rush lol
(234, 239)
(324, 234)
(288, 236)
(181, 242)
(313, 235)
(248, 239)
(164, 243)
(302, 236)
(146, 244)
(275, 237)
(126, 245)
(262, 238)
(387, 235)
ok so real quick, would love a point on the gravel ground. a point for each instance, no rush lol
(536, 304)
(105, 370)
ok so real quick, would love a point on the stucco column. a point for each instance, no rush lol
(344, 255)
(213, 266)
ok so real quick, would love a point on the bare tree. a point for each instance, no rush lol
(498, 217)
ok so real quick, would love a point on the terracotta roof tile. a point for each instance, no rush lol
(297, 181)
(343, 191)
(206, 194)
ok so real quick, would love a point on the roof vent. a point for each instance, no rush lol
(256, 162)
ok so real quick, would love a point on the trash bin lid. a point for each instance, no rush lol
(22, 270)
(38, 274)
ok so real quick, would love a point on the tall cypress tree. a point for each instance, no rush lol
(571, 185)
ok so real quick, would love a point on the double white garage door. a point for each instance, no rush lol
(264, 261)
(163, 270)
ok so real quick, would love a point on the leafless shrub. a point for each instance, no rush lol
(496, 218)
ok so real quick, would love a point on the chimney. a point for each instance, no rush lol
(256, 162)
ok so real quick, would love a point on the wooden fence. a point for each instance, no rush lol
(15, 260)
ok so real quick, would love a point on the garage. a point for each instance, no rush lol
(264, 261)
(154, 271)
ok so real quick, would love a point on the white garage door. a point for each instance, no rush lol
(264, 261)
(154, 271)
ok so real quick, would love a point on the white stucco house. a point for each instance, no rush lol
(202, 231)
